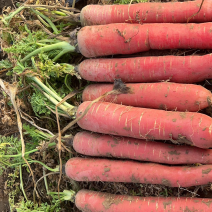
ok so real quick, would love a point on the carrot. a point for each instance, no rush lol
(104, 170)
(131, 38)
(94, 201)
(171, 12)
(182, 69)
(168, 96)
(93, 144)
(183, 127)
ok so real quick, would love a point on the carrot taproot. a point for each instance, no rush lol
(94, 201)
(151, 12)
(164, 95)
(104, 170)
(131, 38)
(183, 127)
(181, 69)
(93, 144)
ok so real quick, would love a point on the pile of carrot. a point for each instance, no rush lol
(132, 125)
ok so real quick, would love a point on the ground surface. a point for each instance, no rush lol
(3, 198)
(5, 3)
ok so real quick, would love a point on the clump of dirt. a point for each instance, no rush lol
(5, 3)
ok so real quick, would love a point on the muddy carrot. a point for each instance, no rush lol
(181, 69)
(104, 170)
(165, 95)
(94, 144)
(114, 39)
(182, 127)
(149, 12)
(94, 201)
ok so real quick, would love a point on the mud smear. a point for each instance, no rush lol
(4, 206)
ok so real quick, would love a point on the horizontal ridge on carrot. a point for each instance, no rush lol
(149, 12)
(181, 69)
(131, 38)
(183, 127)
(164, 95)
(94, 201)
(93, 144)
(87, 169)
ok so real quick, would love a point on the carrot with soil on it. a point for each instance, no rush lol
(114, 39)
(181, 69)
(179, 127)
(94, 201)
(164, 95)
(104, 170)
(93, 144)
(129, 38)
(150, 12)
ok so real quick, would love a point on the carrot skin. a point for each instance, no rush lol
(184, 127)
(131, 38)
(94, 201)
(165, 95)
(172, 12)
(106, 36)
(93, 144)
(181, 69)
(88, 169)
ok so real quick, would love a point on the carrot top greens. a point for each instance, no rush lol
(36, 44)
(37, 58)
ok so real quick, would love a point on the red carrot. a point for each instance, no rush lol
(87, 169)
(131, 38)
(93, 144)
(94, 201)
(182, 69)
(183, 127)
(154, 12)
(168, 96)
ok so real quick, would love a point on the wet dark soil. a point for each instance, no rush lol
(4, 3)
(4, 206)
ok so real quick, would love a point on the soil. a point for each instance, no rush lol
(4, 206)
(4, 3)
